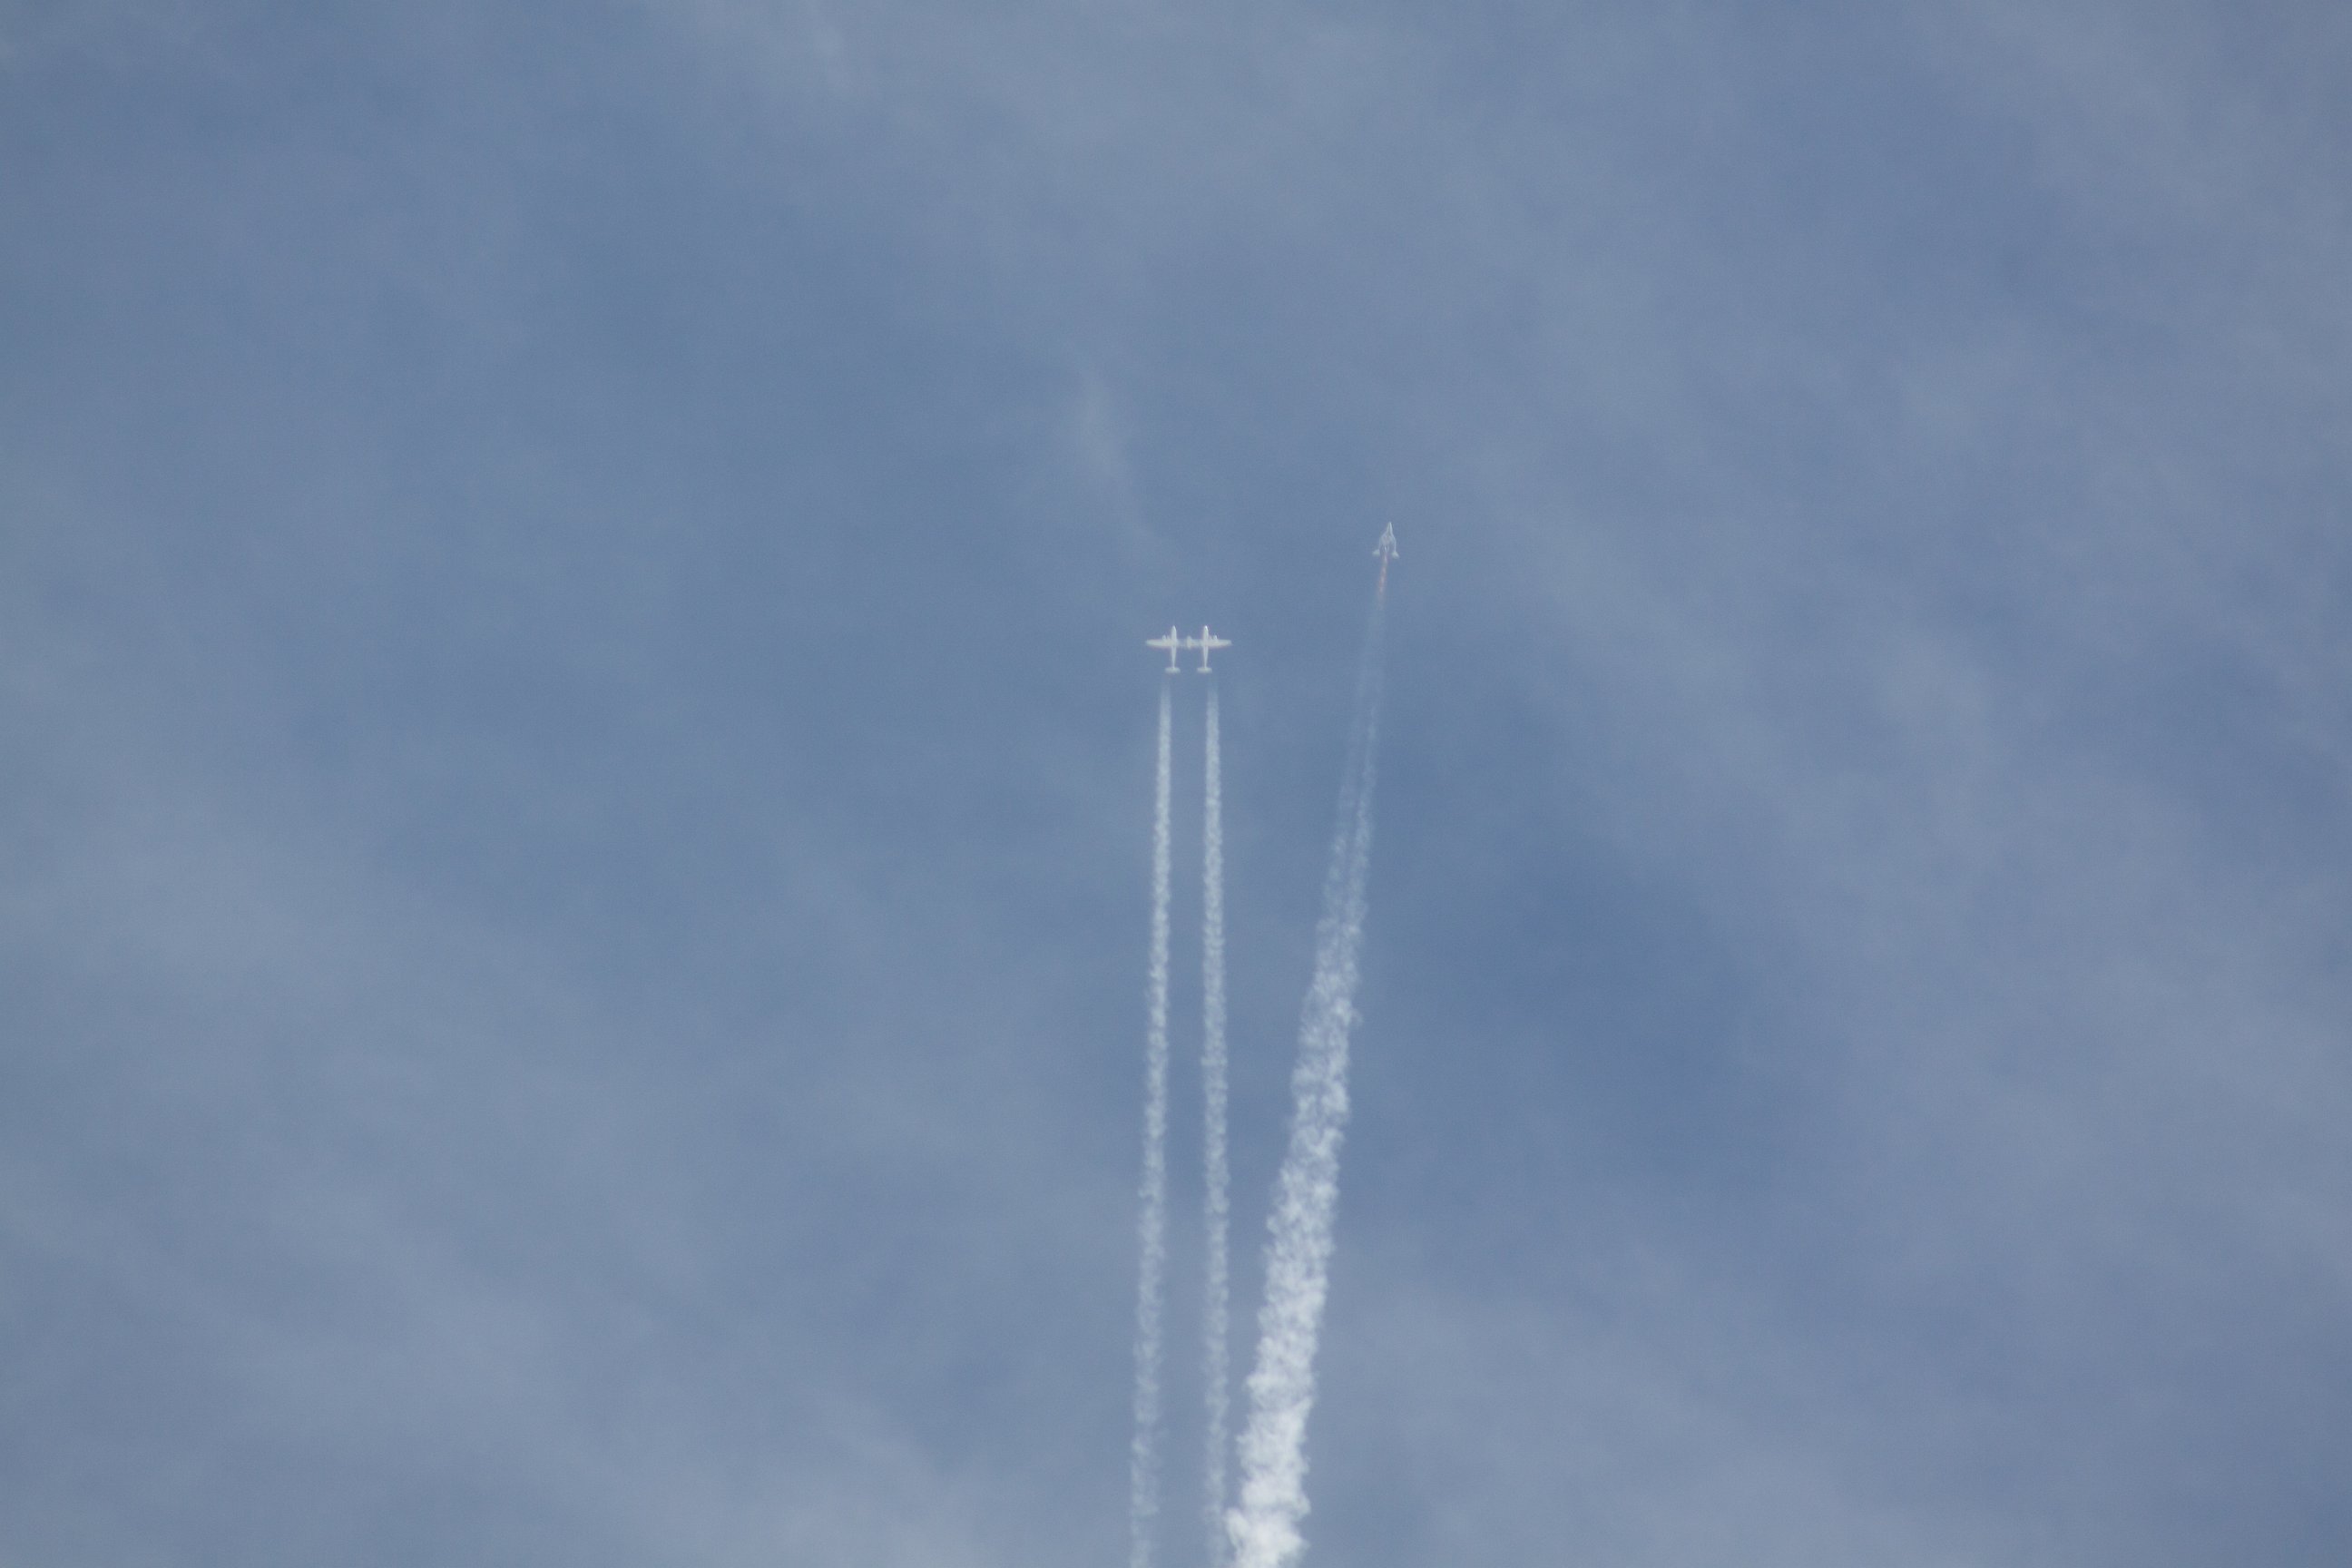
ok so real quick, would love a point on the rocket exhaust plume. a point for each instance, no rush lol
(1264, 1529)
(1143, 1459)
(1217, 1376)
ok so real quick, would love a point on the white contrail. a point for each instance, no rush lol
(1215, 1374)
(1143, 1459)
(1264, 1529)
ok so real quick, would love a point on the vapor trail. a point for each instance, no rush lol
(1264, 1527)
(1216, 1375)
(1143, 1458)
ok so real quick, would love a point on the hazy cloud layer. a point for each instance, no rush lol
(575, 771)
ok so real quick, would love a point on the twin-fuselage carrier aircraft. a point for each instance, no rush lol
(1206, 642)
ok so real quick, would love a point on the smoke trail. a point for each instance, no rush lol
(1143, 1459)
(1264, 1529)
(1217, 1376)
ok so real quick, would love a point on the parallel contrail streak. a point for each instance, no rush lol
(1216, 1374)
(1265, 1527)
(1143, 1459)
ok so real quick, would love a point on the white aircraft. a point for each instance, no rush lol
(1171, 642)
(1387, 550)
(1206, 642)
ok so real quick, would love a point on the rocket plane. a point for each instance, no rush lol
(1387, 552)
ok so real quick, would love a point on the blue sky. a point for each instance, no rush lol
(574, 769)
